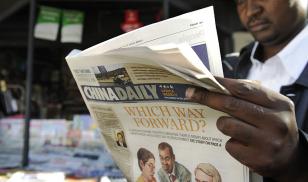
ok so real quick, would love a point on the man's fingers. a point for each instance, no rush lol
(238, 151)
(238, 108)
(246, 155)
(253, 92)
(250, 156)
(239, 130)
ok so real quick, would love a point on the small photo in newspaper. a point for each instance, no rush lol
(115, 74)
(120, 138)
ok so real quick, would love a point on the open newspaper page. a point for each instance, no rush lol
(137, 96)
(197, 28)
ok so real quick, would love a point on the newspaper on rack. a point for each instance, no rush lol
(134, 87)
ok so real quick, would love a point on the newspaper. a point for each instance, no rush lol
(134, 87)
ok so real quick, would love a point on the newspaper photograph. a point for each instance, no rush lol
(134, 87)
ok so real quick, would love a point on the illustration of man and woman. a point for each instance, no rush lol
(121, 139)
(171, 170)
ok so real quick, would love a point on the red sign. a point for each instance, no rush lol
(131, 20)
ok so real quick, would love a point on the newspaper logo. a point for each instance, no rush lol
(135, 92)
(127, 93)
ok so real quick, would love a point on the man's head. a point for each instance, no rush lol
(167, 157)
(206, 172)
(272, 22)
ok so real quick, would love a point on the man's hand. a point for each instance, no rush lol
(262, 127)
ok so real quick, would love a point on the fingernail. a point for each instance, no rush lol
(189, 92)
